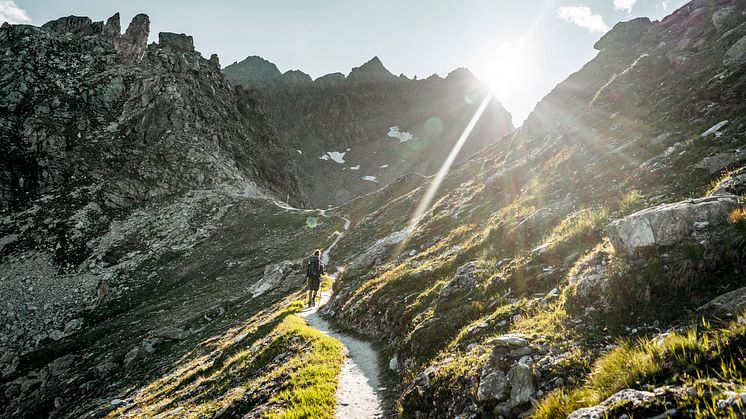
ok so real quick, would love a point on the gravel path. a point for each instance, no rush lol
(357, 393)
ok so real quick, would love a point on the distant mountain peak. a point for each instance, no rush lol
(253, 71)
(373, 70)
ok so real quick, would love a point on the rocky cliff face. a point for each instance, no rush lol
(357, 133)
(86, 106)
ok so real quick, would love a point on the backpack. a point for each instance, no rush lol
(314, 268)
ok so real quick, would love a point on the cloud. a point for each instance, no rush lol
(11, 13)
(583, 17)
(664, 4)
(625, 5)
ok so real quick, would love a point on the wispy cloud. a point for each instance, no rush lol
(625, 5)
(664, 4)
(11, 13)
(583, 17)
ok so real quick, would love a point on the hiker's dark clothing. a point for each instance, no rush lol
(314, 271)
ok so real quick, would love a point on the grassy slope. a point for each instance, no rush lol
(204, 292)
(587, 171)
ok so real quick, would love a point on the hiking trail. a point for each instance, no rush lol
(357, 390)
(358, 382)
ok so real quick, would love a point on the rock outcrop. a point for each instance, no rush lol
(669, 224)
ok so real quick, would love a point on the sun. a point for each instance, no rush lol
(504, 68)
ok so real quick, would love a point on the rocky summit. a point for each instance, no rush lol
(157, 213)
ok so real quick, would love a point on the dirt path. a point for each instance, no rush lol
(357, 392)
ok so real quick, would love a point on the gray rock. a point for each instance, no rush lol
(721, 161)
(62, 364)
(133, 43)
(176, 41)
(735, 185)
(394, 363)
(722, 18)
(465, 279)
(736, 54)
(521, 380)
(668, 224)
(515, 340)
(12, 391)
(629, 397)
(493, 384)
(730, 304)
(170, 333)
(105, 369)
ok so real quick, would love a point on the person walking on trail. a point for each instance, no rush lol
(314, 271)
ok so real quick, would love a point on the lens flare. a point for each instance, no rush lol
(445, 168)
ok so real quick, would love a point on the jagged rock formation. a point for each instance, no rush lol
(358, 133)
(87, 106)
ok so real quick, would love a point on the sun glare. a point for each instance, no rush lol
(504, 68)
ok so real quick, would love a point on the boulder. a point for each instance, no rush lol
(465, 279)
(511, 340)
(722, 18)
(105, 369)
(277, 277)
(521, 380)
(730, 304)
(176, 41)
(736, 54)
(721, 161)
(735, 185)
(668, 224)
(628, 397)
(493, 384)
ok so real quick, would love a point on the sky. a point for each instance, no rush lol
(522, 49)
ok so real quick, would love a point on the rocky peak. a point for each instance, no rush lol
(297, 77)
(113, 27)
(252, 72)
(329, 80)
(373, 70)
(176, 41)
(624, 33)
(76, 25)
(133, 43)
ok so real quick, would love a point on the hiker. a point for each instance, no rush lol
(101, 292)
(313, 273)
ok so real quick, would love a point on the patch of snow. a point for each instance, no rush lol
(403, 136)
(383, 166)
(714, 129)
(337, 156)
(370, 178)
(356, 167)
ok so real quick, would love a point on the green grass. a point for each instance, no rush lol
(312, 384)
(678, 359)
(274, 360)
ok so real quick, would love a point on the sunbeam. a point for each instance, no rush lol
(445, 168)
